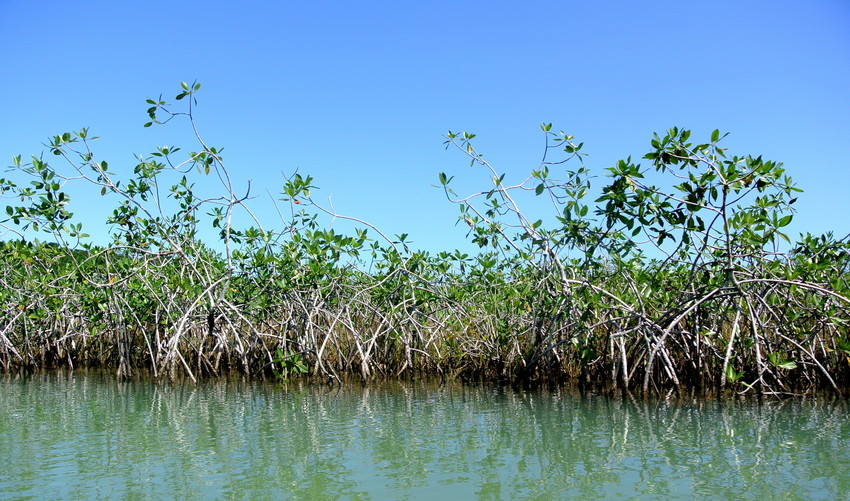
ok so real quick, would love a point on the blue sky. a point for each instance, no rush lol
(359, 95)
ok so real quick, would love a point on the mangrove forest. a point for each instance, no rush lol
(676, 273)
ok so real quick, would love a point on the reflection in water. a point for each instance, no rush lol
(86, 436)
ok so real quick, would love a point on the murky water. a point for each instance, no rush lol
(77, 436)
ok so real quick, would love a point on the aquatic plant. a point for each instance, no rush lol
(675, 274)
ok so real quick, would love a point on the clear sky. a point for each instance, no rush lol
(360, 94)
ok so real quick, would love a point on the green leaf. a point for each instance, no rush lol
(732, 375)
(715, 135)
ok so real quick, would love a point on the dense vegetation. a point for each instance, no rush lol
(635, 285)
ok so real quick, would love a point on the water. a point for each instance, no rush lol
(77, 436)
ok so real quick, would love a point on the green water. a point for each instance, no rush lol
(76, 436)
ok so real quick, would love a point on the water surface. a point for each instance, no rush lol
(84, 436)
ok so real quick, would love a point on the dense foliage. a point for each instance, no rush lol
(640, 285)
